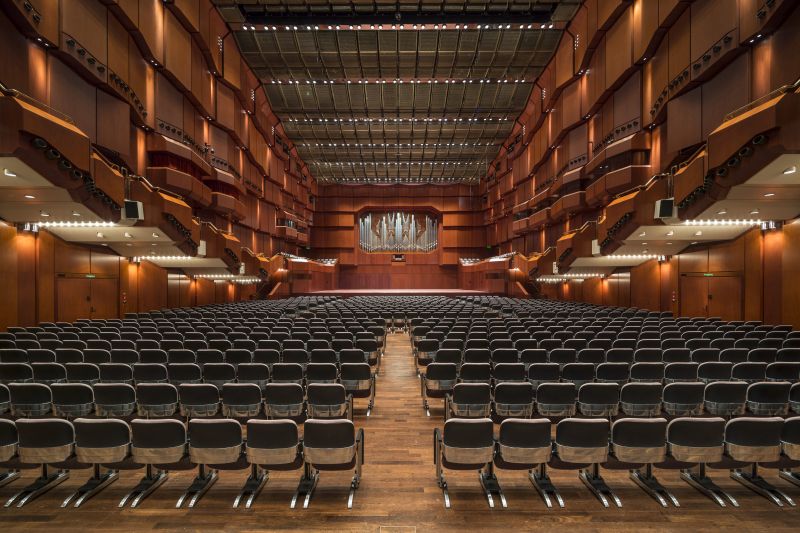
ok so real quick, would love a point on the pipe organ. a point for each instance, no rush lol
(398, 231)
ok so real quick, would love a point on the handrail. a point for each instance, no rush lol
(152, 187)
(16, 93)
(783, 89)
(654, 178)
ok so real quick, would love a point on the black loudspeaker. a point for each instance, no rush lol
(132, 212)
(665, 208)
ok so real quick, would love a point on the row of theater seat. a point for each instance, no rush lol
(268, 353)
(580, 373)
(427, 351)
(190, 400)
(107, 446)
(741, 445)
(720, 398)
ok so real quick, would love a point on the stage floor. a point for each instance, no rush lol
(397, 292)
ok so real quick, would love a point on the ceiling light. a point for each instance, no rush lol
(669, 244)
(790, 170)
(644, 244)
(755, 212)
(30, 197)
(722, 212)
(156, 235)
(642, 234)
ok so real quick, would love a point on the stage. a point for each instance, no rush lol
(346, 293)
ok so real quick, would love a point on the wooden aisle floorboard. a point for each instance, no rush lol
(398, 493)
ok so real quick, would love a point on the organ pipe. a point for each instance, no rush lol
(398, 231)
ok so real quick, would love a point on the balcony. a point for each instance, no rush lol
(567, 205)
(226, 204)
(540, 218)
(604, 188)
(624, 215)
(181, 183)
(575, 244)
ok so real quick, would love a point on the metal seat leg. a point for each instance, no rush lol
(8, 476)
(48, 479)
(545, 488)
(753, 481)
(147, 485)
(791, 477)
(648, 483)
(252, 487)
(199, 486)
(306, 486)
(491, 486)
(595, 483)
(700, 481)
(92, 487)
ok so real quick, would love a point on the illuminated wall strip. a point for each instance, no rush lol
(477, 120)
(395, 145)
(710, 222)
(396, 27)
(73, 224)
(395, 163)
(400, 81)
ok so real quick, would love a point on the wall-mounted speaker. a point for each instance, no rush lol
(201, 249)
(132, 212)
(665, 209)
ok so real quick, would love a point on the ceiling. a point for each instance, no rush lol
(401, 92)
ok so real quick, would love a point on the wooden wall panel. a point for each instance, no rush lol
(151, 24)
(113, 113)
(619, 47)
(684, 121)
(169, 102)
(177, 50)
(711, 20)
(70, 94)
(85, 21)
(788, 291)
(679, 45)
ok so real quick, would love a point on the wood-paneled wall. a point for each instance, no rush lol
(335, 234)
(45, 279)
(753, 277)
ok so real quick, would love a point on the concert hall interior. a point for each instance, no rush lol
(316, 264)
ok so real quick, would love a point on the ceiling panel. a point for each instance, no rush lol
(408, 105)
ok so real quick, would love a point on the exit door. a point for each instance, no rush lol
(712, 296)
(86, 298)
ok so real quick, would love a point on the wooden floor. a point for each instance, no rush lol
(399, 492)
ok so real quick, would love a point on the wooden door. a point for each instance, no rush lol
(725, 297)
(73, 299)
(105, 298)
(694, 296)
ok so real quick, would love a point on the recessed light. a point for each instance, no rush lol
(44, 214)
(76, 214)
(30, 196)
(670, 233)
(769, 194)
(790, 170)
(722, 212)
(153, 244)
(644, 244)
(156, 235)
(128, 235)
(128, 244)
(100, 235)
(12, 174)
(698, 233)
(669, 244)
(642, 234)
(755, 212)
